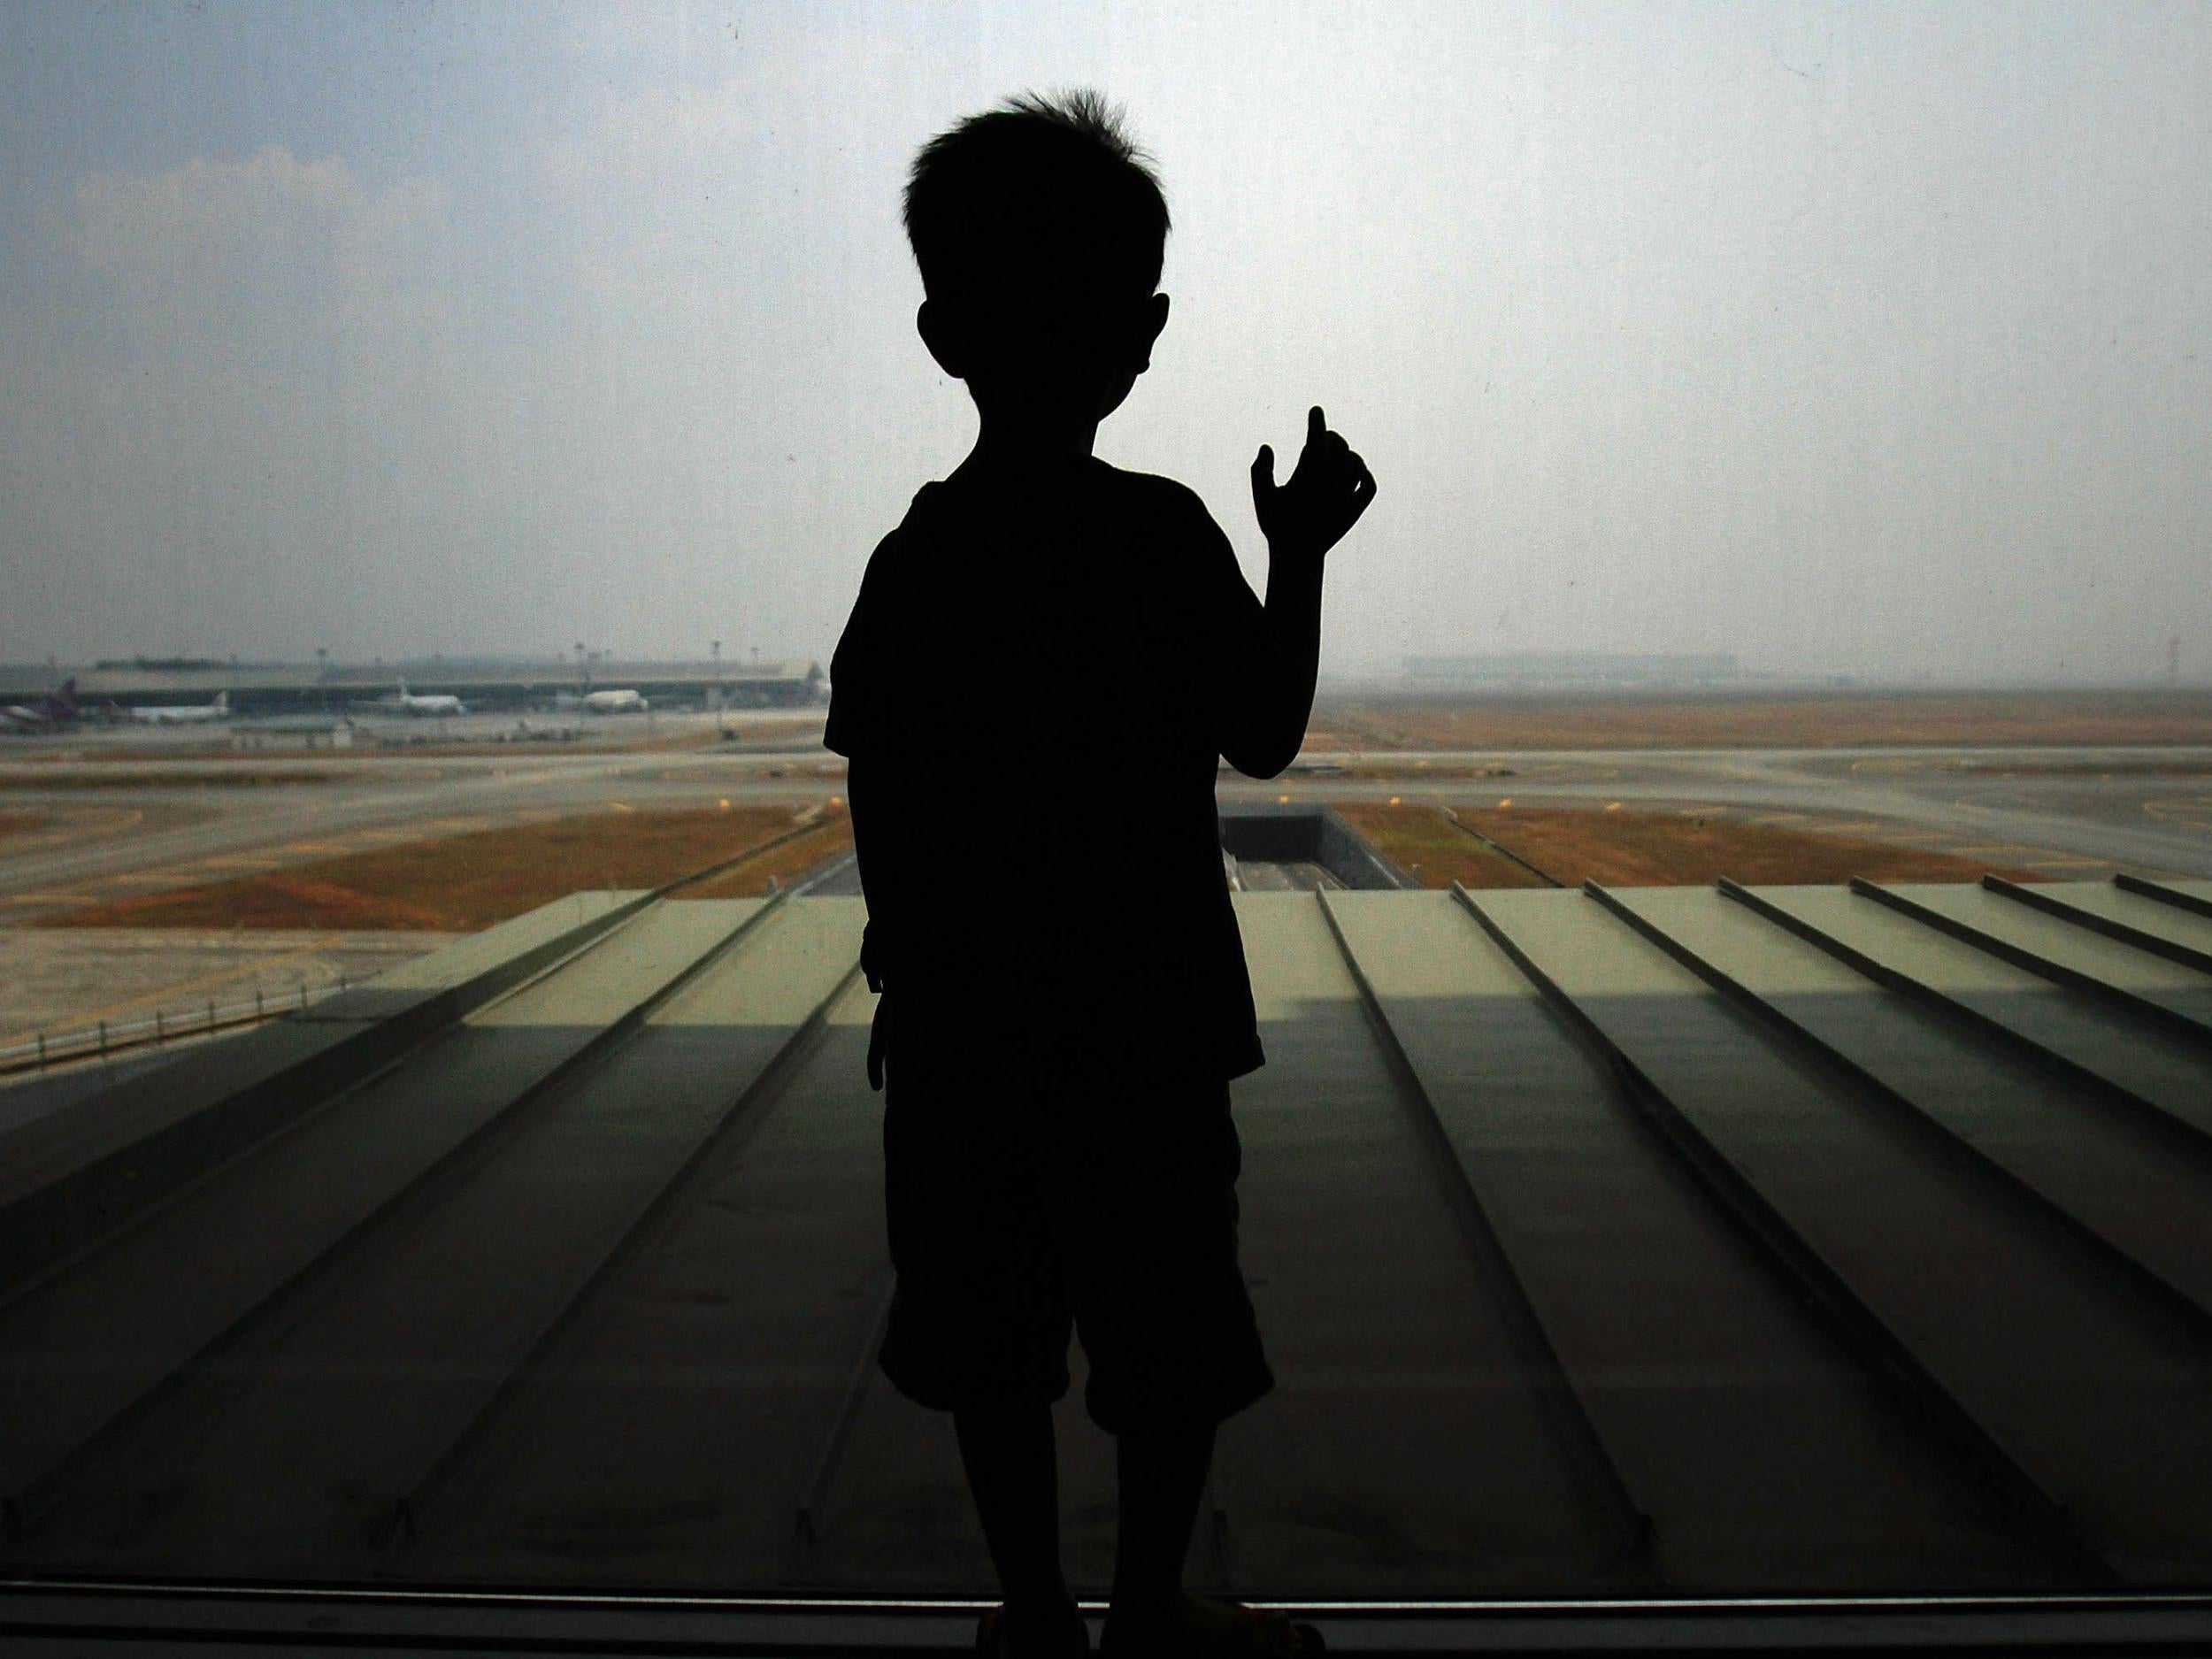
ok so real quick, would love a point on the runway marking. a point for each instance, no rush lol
(2067, 863)
(75, 831)
(2191, 812)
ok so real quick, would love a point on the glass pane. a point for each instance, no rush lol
(1731, 945)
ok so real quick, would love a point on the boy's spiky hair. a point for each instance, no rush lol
(1008, 194)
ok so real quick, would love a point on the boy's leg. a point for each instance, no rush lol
(1162, 1473)
(1010, 1456)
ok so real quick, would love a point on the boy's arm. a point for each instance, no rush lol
(1303, 519)
(854, 730)
(878, 884)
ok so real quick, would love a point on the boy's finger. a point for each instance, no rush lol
(1264, 469)
(1316, 425)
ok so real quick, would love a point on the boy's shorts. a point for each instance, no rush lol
(1025, 1201)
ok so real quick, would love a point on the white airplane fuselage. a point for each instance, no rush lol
(433, 705)
(185, 714)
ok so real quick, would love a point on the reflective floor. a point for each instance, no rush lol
(1658, 1242)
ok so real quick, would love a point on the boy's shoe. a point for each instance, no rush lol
(1215, 1629)
(994, 1638)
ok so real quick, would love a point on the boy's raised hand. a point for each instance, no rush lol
(1324, 498)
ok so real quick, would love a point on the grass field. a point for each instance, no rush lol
(1637, 849)
(18, 824)
(209, 779)
(463, 882)
(1428, 846)
(1737, 719)
(832, 835)
(168, 754)
(784, 731)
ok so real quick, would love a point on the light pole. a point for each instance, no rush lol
(720, 725)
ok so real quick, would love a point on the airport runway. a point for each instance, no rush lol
(2147, 808)
(108, 842)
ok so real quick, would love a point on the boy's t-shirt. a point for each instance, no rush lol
(1034, 685)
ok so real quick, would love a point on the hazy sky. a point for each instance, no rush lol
(1856, 337)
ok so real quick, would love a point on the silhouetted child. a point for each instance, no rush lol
(1064, 996)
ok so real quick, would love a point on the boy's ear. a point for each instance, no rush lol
(932, 324)
(1155, 320)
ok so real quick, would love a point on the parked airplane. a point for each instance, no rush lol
(428, 703)
(615, 702)
(185, 714)
(42, 715)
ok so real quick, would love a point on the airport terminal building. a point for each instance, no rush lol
(485, 685)
(1572, 668)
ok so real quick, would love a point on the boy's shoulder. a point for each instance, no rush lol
(1082, 503)
(1153, 492)
(1066, 526)
(1157, 493)
(1054, 490)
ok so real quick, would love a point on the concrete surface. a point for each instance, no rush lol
(1600, 1252)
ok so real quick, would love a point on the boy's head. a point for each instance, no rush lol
(1040, 231)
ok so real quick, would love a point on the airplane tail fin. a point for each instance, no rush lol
(65, 695)
(222, 702)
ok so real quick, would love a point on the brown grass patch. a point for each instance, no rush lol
(1427, 845)
(143, 754)
(461, 883)
(171, 781)
(18, 824)
(758, 731)
(1426, 771)
(1666, 850)
(1596, 719)
(786, 863)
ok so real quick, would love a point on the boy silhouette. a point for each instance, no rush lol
(1064, 996)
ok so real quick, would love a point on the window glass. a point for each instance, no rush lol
(1733, 1119)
